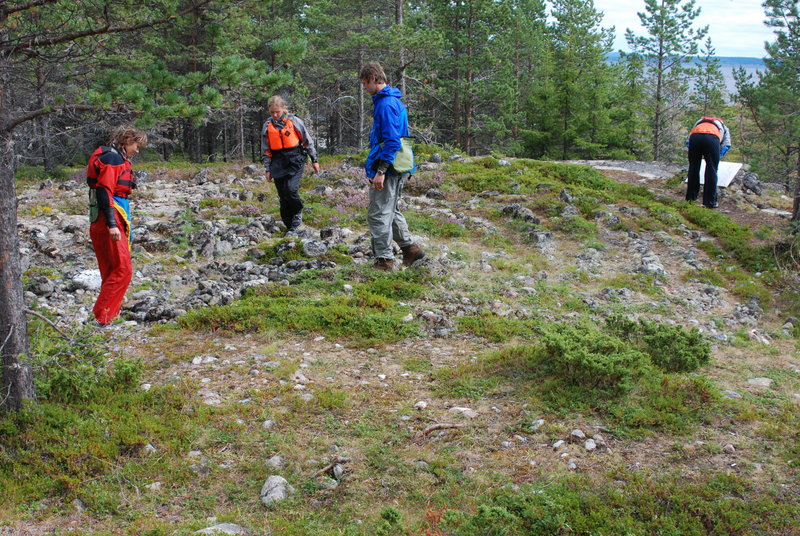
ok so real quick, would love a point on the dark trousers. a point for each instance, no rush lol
(703, 146)
(288, 193)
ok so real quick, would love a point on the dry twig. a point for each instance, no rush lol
(437, 426)
(337, 460)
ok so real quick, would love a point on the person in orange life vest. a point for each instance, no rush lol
(709, 139)
(111, 181)
(285, 144)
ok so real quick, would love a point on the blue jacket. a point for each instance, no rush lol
(389, 124)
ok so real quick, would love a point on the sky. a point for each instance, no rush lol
(736, 27)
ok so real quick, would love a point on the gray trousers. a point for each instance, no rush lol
(385, 220)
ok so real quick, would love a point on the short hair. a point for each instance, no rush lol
(372, 72)
(277, 100)
(127, 134)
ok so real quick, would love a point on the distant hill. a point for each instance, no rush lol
(727, 66)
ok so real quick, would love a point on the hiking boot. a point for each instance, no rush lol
(384, 264)
(297, 221)
(412, 254)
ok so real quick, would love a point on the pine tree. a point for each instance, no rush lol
(670, 43)
(709, 93)
(774, 103)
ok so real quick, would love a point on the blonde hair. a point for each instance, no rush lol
(278, 102)
(126, 134)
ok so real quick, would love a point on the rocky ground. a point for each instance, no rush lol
(186, 258)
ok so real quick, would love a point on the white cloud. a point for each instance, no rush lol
(736, 27)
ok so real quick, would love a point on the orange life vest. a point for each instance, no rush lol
(123, 173)
(708, 125)
(285, 138)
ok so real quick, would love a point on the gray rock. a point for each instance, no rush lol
(435, 158)
(253, 169)
(503, 163)
(276, 462)
(41, 286)
(314, 248)
(590, 445)
(543, 240)
(88, 280)
(760, 382)
(729, 449)
(558, 444)
(201, 177)
(275, 489)
(338, 471)
(223, 528)
(570, 210)
(727, 393)
(651, 265)
(537, 424)
(434, 193)
(565, 196)
(576, 436)
(751, 182)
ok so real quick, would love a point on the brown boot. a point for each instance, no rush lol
(412, 254)
(383, 264)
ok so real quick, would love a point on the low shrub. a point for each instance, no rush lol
(671, 348)
(586, 357)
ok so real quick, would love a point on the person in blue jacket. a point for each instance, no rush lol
(389, 124)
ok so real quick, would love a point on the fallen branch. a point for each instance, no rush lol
(437, 426)
(37, 315)
(337, 460)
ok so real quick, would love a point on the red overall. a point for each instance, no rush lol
(113, 173)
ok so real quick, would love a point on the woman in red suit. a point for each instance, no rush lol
(111, 181)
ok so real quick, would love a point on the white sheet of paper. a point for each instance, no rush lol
(725, 173)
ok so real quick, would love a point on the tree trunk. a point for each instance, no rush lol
(401, 73)
(362, 114)
(17, 377)
(796, 204)
(43, 123)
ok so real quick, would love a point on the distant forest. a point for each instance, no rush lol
(514, 77)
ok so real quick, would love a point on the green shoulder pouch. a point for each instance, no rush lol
(404, 159)
(94, 210)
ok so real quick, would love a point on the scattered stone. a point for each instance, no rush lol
(467, 412)
(577, 436)
(276, 462)
(727, 393)
(751, 182)
(729, 449)
(537, 424)
(88, 280)
(155, 486)
(590, 445)
(223, 528)
(275, 489)
(421, 405)
(760, 382)
(558, 444)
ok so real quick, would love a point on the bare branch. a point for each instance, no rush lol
(106, 29)
(47, 320)
(11, 125)
(437, 426)
(337, 460)
(29, 5)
